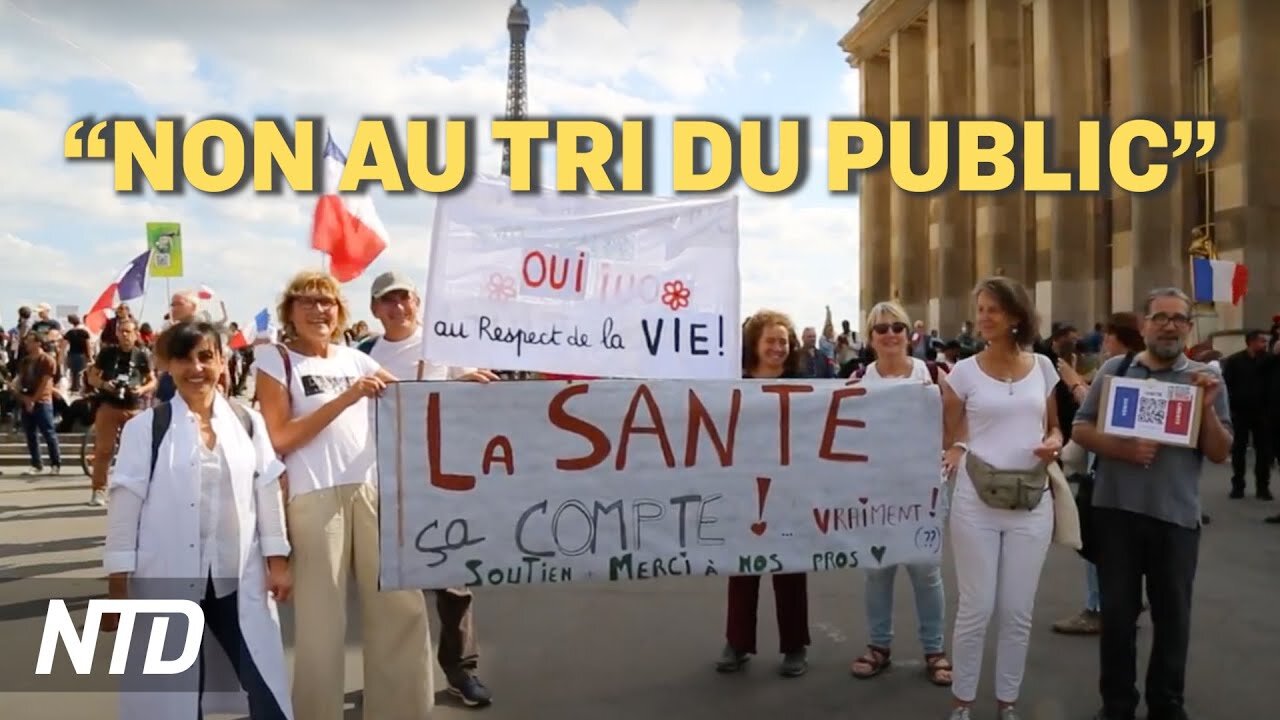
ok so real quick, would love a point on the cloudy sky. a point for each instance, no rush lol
(64, 234)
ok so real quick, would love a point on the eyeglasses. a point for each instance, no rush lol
(1163, 319)
(316, 302)
(897, 328)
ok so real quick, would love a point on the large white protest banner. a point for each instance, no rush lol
(541, 482)
(587, 285)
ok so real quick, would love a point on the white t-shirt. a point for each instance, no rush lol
(344, 452)
(401, 357)
(1006, 419)
(919, 373)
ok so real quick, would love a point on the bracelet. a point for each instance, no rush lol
(962, 445)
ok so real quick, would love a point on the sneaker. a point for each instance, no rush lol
(98, 498)
(1265, 495)
(55, 470)
(960, 713)
(794, 664)
(1086, 622)
(731, 660)
(471, 691)
(1237, 493)
(1008, 713)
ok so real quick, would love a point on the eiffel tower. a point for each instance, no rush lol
(517, 89)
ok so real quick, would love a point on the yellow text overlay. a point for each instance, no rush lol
(431, 155)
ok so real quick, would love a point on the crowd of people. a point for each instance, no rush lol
(275, 499)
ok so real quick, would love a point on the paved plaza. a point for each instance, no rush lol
(644, 651)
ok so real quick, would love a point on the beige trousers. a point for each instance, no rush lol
(334, 532)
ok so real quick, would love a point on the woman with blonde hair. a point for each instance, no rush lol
(1001, 430)
(888, 329)
(770, 350)
(315, 393)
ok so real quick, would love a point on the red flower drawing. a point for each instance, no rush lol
(501, 287)
(675, 295)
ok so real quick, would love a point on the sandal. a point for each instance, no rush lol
(872, 664)
(938, 669)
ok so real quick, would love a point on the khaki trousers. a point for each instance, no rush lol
(107, 422)
(334, 532)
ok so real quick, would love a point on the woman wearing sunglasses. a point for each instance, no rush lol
(888, 327)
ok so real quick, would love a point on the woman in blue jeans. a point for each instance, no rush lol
(888, 327)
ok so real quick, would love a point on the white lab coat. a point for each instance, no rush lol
(168, 551)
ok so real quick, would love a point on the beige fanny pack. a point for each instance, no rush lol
(1007, 489)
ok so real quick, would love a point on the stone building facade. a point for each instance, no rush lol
(1084, 255)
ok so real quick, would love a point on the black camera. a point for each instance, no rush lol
(120, 388)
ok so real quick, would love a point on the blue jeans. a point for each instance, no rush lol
(1093, 596)
(931, 603)
(40, 419)
(76, 365)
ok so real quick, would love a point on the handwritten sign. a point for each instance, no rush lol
(552, 482)
(602, 286)
(1167, 413)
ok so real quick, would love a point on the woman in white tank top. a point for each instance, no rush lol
(887, 328)
(999, 407)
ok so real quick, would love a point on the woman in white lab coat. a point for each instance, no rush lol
(206, 525)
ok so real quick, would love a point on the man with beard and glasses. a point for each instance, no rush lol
(1146, 517)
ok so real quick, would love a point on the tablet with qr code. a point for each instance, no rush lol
(1168, 413)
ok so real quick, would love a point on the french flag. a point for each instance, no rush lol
(1218, 280)
(345, 227)
(130, 284)
(261, 325)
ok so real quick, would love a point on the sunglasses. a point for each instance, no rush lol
(897, 328)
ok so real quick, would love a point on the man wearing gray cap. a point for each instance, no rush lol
(396, 305)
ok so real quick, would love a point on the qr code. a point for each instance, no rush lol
(1151, 410)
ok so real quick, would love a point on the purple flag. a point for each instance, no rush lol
(133, 282)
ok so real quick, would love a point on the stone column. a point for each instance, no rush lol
(1157, 248)
(1062, 219)
(1098, 238)
(950, 235)
(1246, 69)
(874, 192)
(999, 240)
(909, 233)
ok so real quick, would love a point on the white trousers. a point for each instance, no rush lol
(998, 556)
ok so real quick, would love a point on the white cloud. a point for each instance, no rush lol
(681, 47)
(838, 14)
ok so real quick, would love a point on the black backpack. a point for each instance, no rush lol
(366, 345)
(162, 417)
(1084, 487)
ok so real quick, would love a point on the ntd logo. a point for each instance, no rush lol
(58, 625)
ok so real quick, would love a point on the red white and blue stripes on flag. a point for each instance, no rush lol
(1218, 281)
(130, 284)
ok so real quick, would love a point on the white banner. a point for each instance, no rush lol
(536, 482)
(585, 285)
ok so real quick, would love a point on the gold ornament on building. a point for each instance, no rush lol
(1202, 244)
